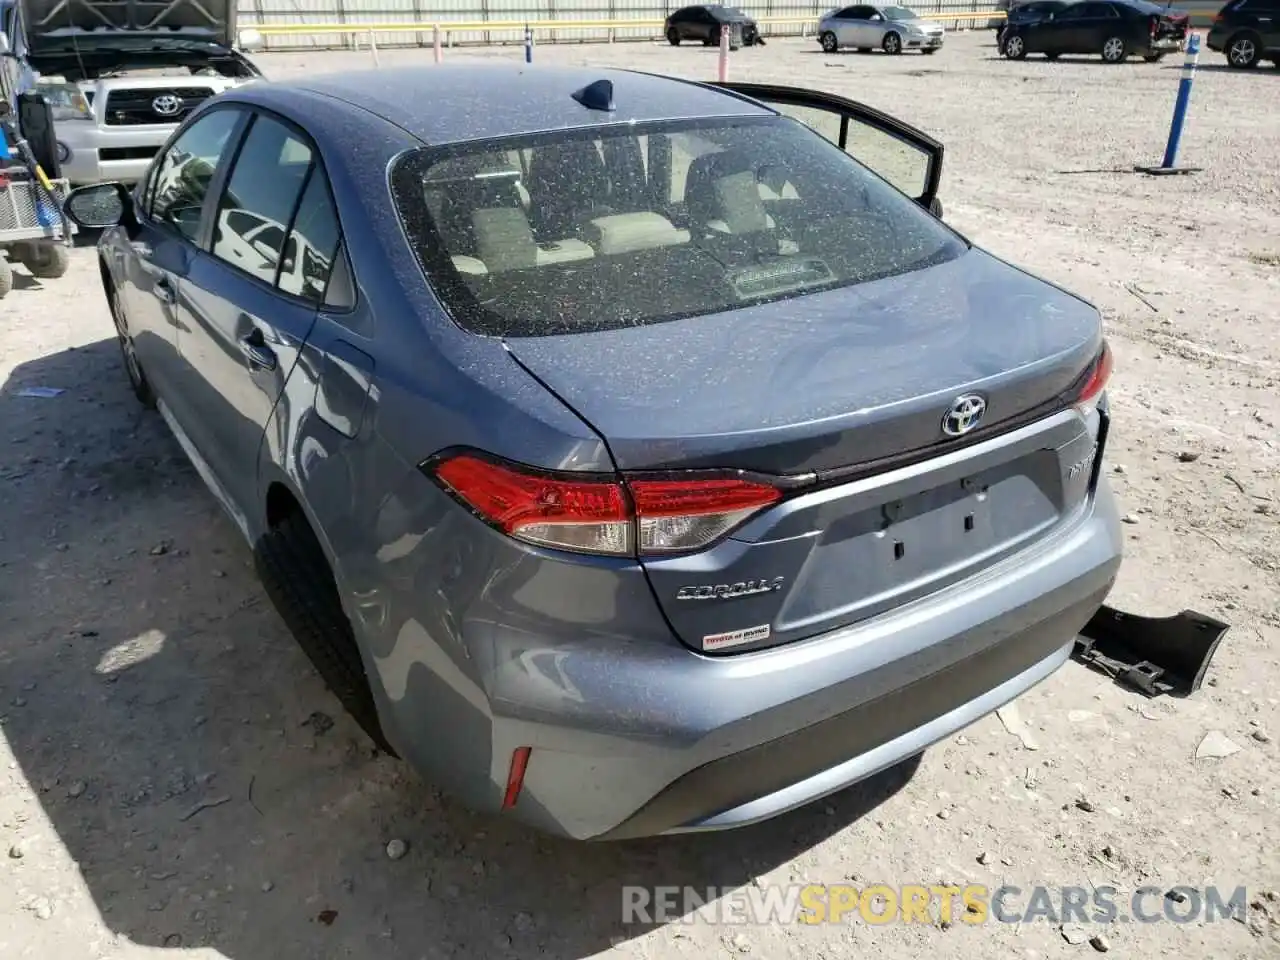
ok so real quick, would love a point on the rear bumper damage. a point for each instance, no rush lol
(644, 738)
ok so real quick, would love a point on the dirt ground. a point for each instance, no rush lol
(174, 775)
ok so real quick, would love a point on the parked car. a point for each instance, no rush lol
(636, 459)
(1247, 31)
(891, 29)
(1026, 13)
(1113, 29)
(705, 24)
(141, 73)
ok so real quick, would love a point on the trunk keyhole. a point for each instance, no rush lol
(899, 549)
(968, 523)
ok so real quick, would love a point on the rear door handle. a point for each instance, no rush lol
(256, 352)
(164, 290)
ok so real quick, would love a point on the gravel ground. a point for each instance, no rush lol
(173, 775)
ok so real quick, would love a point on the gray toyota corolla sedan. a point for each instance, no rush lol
(630, 455)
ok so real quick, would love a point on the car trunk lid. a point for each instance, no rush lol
(845, 392)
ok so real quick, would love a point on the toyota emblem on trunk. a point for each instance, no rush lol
(963, 415)
(166, 105)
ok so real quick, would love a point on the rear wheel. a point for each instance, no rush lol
(673, 36)
(297, 578)
(892, 43)
(714, 39)
(829, 42)
(1244, 51)
(1114, 50)
(1015, 48)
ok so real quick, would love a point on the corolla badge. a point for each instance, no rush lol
(730, 591)
(964, 414)
(166, 105)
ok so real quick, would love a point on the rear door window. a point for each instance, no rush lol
(313, 242)
(263, 190)
(586, 230)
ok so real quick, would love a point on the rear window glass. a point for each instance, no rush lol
(634, 224)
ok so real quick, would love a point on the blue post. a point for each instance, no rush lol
(1184, 97)
(528, 44)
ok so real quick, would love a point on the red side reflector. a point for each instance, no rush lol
(515, 777)
(1099, 374)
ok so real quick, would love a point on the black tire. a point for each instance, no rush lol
(1243, 50)
(1114, 50)
(300, 585)
(829, 42)
(673, 36)
(1153, 57)
(6, 277)
(48, 261)
(128, 355)
(892, 43)
(1015, 47)
(714, 39)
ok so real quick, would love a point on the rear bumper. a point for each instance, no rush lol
(641, 738)
(931, 42)
(1167, 45)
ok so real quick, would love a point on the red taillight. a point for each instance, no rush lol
(1095, 381)
(588, 515)
(674, 515)
(640, 513)
(515, 776)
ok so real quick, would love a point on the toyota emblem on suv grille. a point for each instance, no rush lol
(963, 415)
(166, 105)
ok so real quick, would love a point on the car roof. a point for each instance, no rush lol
(459, 102)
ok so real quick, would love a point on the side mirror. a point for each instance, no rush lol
(101, 205)
(250, 39)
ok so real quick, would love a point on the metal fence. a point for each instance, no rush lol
(776, 17)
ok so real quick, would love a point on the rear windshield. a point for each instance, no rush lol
(634, 224)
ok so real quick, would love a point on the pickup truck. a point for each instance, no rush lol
(139, 67)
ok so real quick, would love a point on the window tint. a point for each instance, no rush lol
(313, 242)
(558, 234)
(183, 174)
(255, 209)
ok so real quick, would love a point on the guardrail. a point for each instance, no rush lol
(444, 30)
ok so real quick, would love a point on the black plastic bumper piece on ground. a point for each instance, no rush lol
(1154, 655)
(1158, 171)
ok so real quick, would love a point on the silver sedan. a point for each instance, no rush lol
(892, 29)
